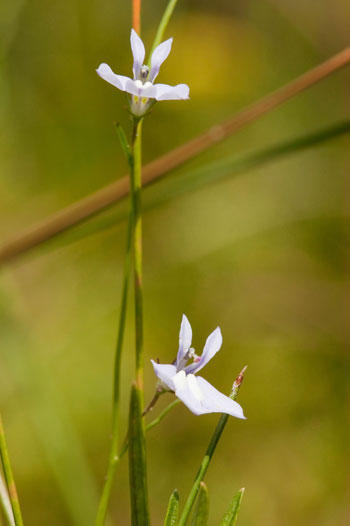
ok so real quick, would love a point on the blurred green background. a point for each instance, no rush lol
(264, 254)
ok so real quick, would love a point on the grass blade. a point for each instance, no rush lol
(230, 517)
(172, 512)
(201, 512)
(5, 504)
(10, 481)
(124, 144)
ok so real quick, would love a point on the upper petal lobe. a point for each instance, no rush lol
(185, 338)
(119, 81)
(158, 56)
(211, 347)
(138, 51)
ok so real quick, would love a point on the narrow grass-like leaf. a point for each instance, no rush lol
(137, 462)
(124, 144)
(172, 512)
(201, 512)
(230, 517)
(9, 478)
(5, 504)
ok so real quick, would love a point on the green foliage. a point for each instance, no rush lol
(230, 517)
(172, 513)
(200, 514)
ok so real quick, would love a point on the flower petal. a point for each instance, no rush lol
(119, 81)
(165, 92)
(158, 56)
(135, 87)
(165, 373)
(185, 338)
(138, 51)
(215, 402)
(186, 393)
(211, 347)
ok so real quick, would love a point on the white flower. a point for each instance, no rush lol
(141, 87)
(195, 392)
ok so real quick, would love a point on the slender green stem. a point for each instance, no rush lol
(137, 461)
(209, 454)
(113, 455)
(5, 504)
(152, 403)
(160, 417)
(10, 481)
(135, 180)
(202, 470)
(121, 327)
(137, 455)
(162, 26)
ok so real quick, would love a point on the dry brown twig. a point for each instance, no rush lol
(94, 203)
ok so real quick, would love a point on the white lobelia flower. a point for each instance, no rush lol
(141, 87)
(195, 392)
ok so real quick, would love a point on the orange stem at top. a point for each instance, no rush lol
(136, 15)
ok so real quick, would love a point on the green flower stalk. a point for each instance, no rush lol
(135, 183)
(209, 453)
(137, 442)
(142, 95)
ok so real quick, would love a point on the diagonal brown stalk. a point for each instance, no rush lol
(107, 196)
